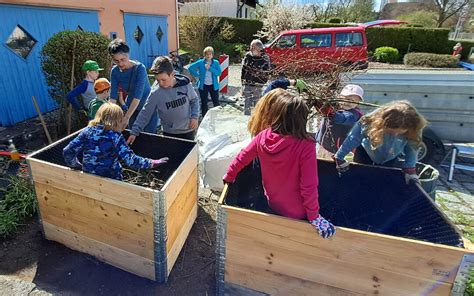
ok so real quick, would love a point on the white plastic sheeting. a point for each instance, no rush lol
(221, 136)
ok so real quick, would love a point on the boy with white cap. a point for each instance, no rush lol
(337, 124)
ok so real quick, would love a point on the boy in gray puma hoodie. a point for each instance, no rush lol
(175, 100)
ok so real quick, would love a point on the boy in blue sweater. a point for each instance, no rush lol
(175, 100)
(86, 88)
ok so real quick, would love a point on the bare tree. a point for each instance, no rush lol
(448, 8)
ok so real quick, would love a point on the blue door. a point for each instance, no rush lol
(147, 36)
(23, 33)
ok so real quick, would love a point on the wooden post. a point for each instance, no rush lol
(43, 123)
(69, 111)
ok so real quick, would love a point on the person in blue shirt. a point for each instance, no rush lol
(130, 86)
(382, 136)
(207, 70)
(99, 147)
(284, 83)
(86, 88)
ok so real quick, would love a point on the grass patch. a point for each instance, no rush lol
(19, 202)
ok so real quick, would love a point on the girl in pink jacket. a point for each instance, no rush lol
(287, 155)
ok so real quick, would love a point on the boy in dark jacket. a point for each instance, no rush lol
(175, 100)
(255, 69)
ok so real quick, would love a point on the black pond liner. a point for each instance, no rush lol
(367, 198)
(145, 145)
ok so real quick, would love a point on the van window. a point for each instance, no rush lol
(316, 40)
(349, 39)
(286, 41)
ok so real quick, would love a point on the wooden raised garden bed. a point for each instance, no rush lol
(135, 228)
(391, 239)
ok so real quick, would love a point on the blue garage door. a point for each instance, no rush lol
(23, 33)
(147, 36)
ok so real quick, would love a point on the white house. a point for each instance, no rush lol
(226, 8)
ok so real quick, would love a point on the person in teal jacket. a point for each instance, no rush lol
(207, 70)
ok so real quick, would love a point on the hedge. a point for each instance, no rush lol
(430, 60)
(245, 29)
(327, 25)
(409, 39)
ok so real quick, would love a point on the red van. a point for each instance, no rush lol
(309, 50)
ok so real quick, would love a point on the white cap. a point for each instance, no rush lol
(353, 90)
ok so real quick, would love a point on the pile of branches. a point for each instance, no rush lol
(144, 178)
(325, 77)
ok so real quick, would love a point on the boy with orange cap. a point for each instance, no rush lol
(102, 90)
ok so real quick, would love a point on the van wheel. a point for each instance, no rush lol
(426, 150)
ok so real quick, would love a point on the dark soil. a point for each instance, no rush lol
(62, 271)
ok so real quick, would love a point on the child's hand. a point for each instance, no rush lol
(342, 166)
(325, 228)
(193, 123)
(227, 180)
(157, 162)
(411, 176)
(131, 139)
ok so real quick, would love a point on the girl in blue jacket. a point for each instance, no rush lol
(383, 135)
(207, 70)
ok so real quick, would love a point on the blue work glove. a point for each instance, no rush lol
(342, 166)
(411, 176)
(323, 227)
(157, 162)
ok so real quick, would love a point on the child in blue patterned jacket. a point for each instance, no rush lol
(101, 146)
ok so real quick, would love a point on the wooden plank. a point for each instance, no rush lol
(180, 176)
(274, 283)
(311, 268)
(107, 190)
(174, 251)
(183, 206)
(402, 259)
(92, 209)
(66, 210)
(110, 254)
(223, 194)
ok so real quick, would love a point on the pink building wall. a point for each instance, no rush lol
(111, 12)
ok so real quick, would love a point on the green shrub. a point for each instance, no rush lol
(56, 62)
(430, 60)
(245, 29)
(327, 25)
(19, 202)
(386, 54)
(335, 20)
(57, 54)
(470, 283)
